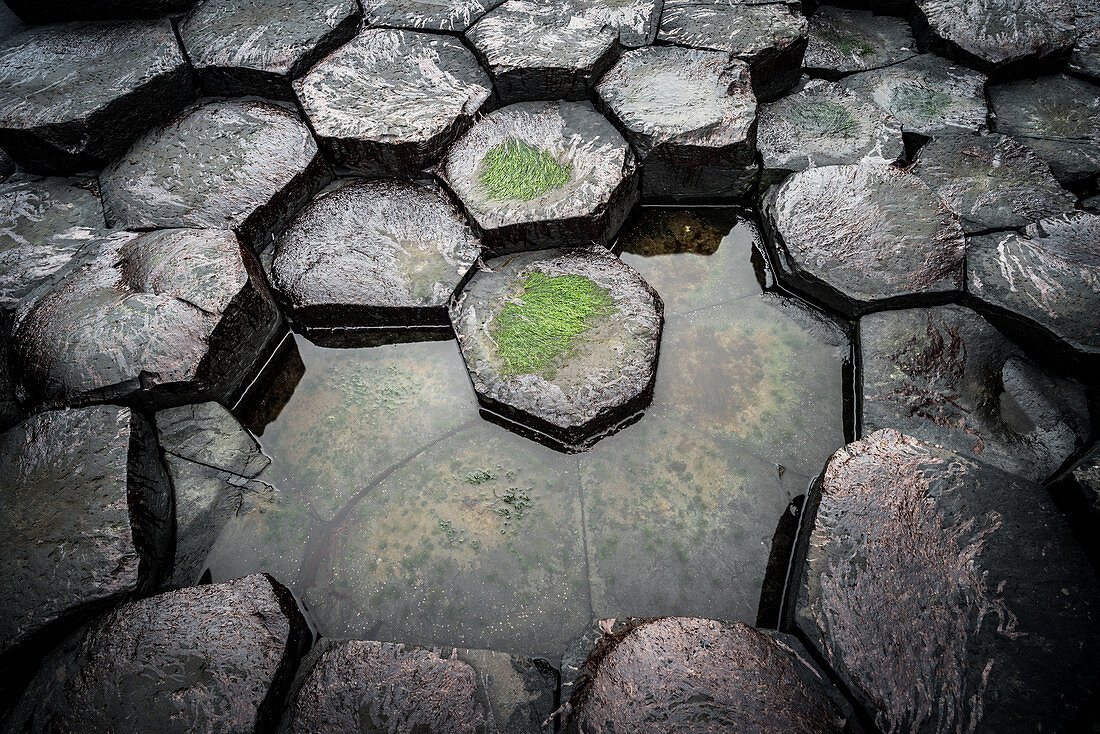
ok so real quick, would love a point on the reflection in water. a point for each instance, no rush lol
(404, 515)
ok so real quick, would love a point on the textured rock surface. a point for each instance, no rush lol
(52, 11)
(945, 376)
(230, 650)
(71, 542)
(427, 15)
(241, 164)
(592, 170)
(1086, 53)
(74, 96)
(244, 47)
(913, 549)
(159, 318)
(390, 101)
(375, 252)
(846, 41)
(863, 236)
(690, 116)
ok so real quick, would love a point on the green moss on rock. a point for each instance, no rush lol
(517, 170)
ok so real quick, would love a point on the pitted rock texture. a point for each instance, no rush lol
(822, 123)
(770, 37)
(1085, 58)
(53, 11)
(690, 116)
(1049, 275)
(426, 15)
(72, 543)
(991, 181)
(864, 236)
(946, 376)
(353, 686)
(914, 548)
(235, 164)
(846, 41)
(229, 649)
(242, 47)
(596, 182)
(391, 101)
(150, 319)
(379, 252)
(74, 96)
(598, 377)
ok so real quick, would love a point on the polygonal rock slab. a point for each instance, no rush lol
(544, 172)
(1049, 275)
(845, 41)
(691, 117)
(74, 96)
(864, 236)
(228, 650)
(991, 181)
(564, 341)
(159, 318)
(771, 38)
(71, 541)
(52, 11)
(944, 375)
(390, 101)
(427, 15)
(376, 252)
(1086, 53)
(914, 549)
(244, 47)
(822, 123)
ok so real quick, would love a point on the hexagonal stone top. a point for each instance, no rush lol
(564, 341)
(392, 100)
(544, 171)
(864, 236)
(375, 252)
(428, 15)
(845, 41)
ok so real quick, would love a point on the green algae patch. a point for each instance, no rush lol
(519, 171)
(825, 118)
(848, 44)
(922, 101)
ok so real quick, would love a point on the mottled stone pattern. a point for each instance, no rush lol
(844, 41)
(52, 11)
(426, 15)
(1085, 58)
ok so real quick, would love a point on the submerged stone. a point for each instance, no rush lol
(52, 11)
(75, 96)
(846, 41)
(913, 548)
(427, 15)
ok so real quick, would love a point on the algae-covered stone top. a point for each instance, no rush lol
(844, 41)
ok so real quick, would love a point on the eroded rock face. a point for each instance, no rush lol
(1085, 58)
(944, 375)
(75, 96)
(160, 318)
(230, 650)
(846, 41)
(72, 542)
(36, 11)
(864, 236)
(427, 15)
(564, 341)
(373, 253)
(915, 548)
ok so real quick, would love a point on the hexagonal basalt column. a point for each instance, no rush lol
(539, 174)
(426, 15)
(847, 41)
(1086, 53)
(864, 236)
(244, 47)
(690, 115)
(72, 97)
(52, 11)
(379, 252)
(563, 341)
(390, 101)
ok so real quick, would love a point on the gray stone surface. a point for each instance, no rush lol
(53, 11)
(1085, 58)
(391, 101)
(426, 15)
(72, 97)
(913, 549)
(844, 41)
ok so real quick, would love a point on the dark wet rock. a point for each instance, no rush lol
(74, 96)
(691, 117)
(87, 518)
(991, 181)
(770, 37)
(846, 41)
(1085, 59)
(427, 15)
(236, 164)
(1082, 481)
(1049, 275)
(539, 174)
(7, 166)
(864, 236)
(10, 24)
(53, 11)
(354, 686)
(914, 548)
(375, 252)
(242, 47)
(229, 651)
(823, 123)
(161, 318)
(946, 376)
(1091, 204)
(1058, 116)
(591, 357)
(10, 411)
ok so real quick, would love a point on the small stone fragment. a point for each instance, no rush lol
(846, 41)
(426, 15)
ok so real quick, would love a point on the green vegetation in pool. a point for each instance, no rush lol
(518, 170)
(826, 118)
(920, 100)
(848, 44)
(534, 330)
